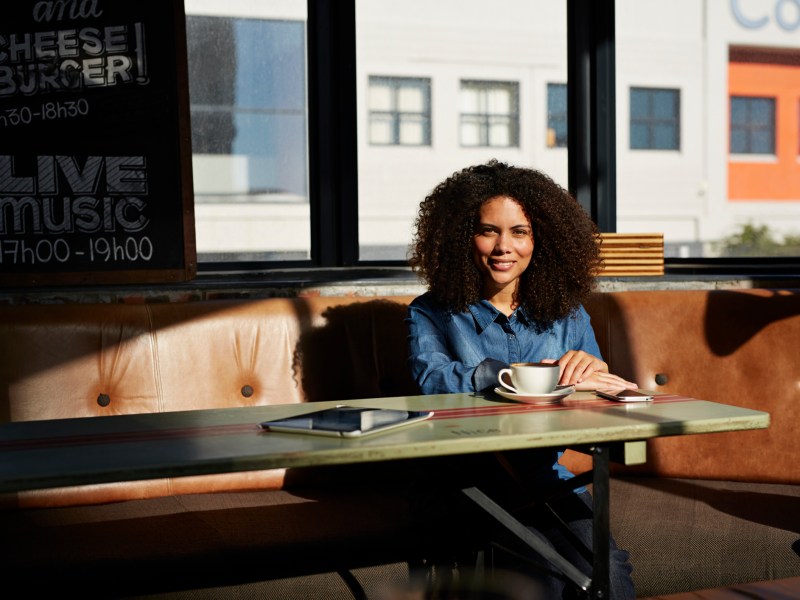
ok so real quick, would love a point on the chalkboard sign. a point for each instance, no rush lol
(95, 151)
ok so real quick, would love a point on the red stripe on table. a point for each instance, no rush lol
(510, 409)
(237, 428)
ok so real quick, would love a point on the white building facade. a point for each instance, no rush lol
(444, 84)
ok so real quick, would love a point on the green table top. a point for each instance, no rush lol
(40, 454)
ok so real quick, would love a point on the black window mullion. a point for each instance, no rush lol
(591, 131)
(333, 154)
(605, 148)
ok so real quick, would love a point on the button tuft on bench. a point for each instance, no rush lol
(104, 400)
(247, 391)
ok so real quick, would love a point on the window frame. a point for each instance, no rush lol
(333, 169)
(750, 128)
(485, 118)
(650, 121)
(396, 114)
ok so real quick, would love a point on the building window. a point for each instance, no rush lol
(752, 125)
(489, 114)
(655, 119)
(556, 115)
(399, 111)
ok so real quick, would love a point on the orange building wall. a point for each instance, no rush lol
(777, 179)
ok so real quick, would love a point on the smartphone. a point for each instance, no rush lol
(624, 395)
(347, 421)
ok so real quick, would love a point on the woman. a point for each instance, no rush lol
(508, 257)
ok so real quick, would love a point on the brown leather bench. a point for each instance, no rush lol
(704, 511)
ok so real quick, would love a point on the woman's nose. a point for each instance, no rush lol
(502, 244)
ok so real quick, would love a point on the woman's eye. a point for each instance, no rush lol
(521, 232)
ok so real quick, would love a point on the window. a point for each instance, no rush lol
(556, 115)
(489, 114)
(399, 111)
(655, 119)
(247, 89)
(668, 85)
(752, 125)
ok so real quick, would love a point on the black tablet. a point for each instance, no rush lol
(347, 421)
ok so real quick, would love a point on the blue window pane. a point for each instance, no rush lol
(664, 105)
(556, 98)
(560, 128)
(639, 105)
(275, 51)
(665, 137)
(557, 113)
(639, 136)
(763, 142)
(738, 141)
(247, 89)
(739, 110)
(272, 144)
(763, 111)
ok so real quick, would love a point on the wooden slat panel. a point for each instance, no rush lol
(632, 254)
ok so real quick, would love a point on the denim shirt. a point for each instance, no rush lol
(463, 352)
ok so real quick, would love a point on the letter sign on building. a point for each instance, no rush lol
(786, 13)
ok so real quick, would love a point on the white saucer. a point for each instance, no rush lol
(553, 397)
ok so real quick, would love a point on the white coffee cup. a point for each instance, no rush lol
(530, 378)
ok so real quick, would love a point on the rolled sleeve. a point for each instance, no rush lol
(485, 376)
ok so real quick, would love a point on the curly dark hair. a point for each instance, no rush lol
(566, 254)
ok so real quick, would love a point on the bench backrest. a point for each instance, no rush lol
(736, 347)
(65, 361)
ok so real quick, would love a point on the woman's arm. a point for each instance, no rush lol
(582, 366)
(432, 362)
(587, 372)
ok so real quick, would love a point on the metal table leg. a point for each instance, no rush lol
(598, 585)
(600, 522)
(532, 538)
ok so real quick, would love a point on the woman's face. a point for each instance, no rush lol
(503, 244)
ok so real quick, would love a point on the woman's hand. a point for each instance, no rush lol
(600, 380)
(587, 372)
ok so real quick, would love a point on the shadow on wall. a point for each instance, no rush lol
(360, 352)
(733, 347)
(659, 338)
(742, 315)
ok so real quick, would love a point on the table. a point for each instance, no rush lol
(40, 454)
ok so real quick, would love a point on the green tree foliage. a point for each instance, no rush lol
(758, 240)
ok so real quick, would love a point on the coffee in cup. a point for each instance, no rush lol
(530, 378)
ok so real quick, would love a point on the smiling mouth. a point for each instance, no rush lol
(501, 265)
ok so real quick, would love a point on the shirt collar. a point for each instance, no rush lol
(485, 314)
